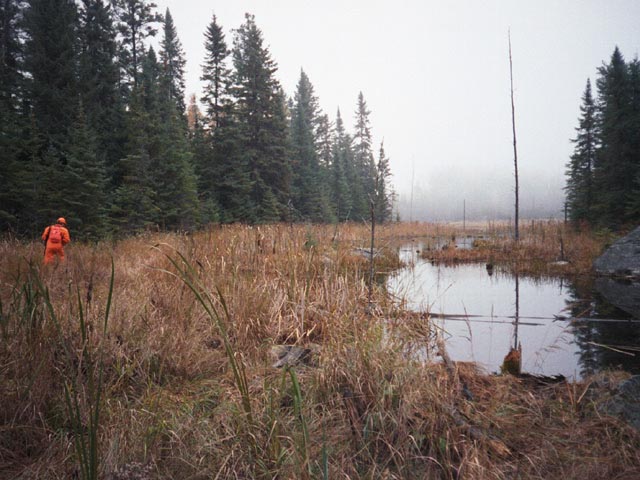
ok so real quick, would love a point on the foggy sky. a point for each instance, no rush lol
(435, 75)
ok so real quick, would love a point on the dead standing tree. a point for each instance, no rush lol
(515, 150)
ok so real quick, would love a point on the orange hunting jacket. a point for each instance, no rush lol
(64, 233)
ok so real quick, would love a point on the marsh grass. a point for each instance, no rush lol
(544, 248)
(183, 383)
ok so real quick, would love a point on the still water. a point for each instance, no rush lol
(477, 313)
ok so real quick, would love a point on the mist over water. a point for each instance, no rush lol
(448, 194)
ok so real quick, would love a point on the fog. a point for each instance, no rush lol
(435, 76)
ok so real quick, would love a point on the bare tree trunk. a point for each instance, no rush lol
(371, 256)
(515, 150)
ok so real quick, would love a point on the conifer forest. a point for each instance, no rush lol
(603, 174)
(95, 126)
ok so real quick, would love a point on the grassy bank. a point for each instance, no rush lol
(162, 368)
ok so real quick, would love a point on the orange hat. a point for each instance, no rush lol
(62, 221)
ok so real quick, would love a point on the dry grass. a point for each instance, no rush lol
(544, 248)
(172, 407)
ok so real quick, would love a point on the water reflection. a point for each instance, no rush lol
(484, 316)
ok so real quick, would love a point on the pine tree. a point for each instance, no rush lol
(580, 189)
(262, 123)
(136, 22)
(614, 169)
(173, 62)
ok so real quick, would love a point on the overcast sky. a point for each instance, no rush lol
(435, 75)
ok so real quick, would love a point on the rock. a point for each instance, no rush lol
(625, 404)
(365, 252)
(622, 258)
(290, 355)
(624, 294)
(132, 471)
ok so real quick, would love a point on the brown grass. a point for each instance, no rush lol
(544, 248)
(366, 409)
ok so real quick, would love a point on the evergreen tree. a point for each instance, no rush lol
(215, 73)
(51, 62)
(202, 159)
(614, 169)
(382, 199)
(98, 80)
(134, 204)
(136, 22)
(12, 201)
(364, 164)
(85, 205)
(11, 53)
(51, 91)
(262, 123)
(222, 168)
(324, 146)
(172, 57)
(633, 205)
(307, 187)
(171, 176)
(580, 189)
(341, 167)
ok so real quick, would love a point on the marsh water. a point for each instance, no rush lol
(565, 328)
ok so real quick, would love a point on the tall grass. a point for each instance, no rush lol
(181, 383)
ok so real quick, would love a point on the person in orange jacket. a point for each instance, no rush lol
(55, 237)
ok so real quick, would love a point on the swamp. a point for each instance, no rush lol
(158, 356)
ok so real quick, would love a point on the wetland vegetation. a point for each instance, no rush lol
(153, 356)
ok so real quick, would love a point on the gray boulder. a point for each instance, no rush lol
(624, 294)
(622, 258)
(625, 404)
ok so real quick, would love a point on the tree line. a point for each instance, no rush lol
(603, 173)
(94, 126)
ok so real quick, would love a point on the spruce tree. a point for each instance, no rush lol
(324, 146)
(633, 202)
(86, 204)
(364, 163)
(98, 81)
(307, 187)
(173, 62)
(12, 122)
(614, 168)
(51, 28)
(51, 89)
(382, 199)
(341, 169)
(262, 123)
(134, 204)
(215, 73)
(580, 183)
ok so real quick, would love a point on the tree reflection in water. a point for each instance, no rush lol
(604, 343)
